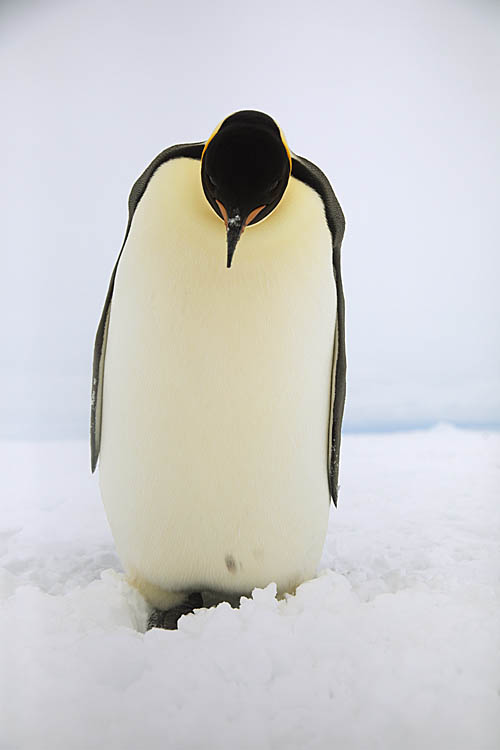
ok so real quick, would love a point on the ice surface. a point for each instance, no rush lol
(396, 643)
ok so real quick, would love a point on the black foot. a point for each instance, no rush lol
(168, 619)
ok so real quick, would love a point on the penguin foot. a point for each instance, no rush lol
(167, 619)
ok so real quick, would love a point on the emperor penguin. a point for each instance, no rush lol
(219, 370)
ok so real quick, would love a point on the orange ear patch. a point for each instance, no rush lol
(251, 216)
(223, 211)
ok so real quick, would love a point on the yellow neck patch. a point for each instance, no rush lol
(212, 136)
(285, 144)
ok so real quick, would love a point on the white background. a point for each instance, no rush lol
(396, 101)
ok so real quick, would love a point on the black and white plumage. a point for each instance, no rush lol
(218, 392)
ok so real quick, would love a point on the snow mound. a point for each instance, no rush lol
(395, 644)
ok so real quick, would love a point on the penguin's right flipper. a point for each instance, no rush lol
(190, 151)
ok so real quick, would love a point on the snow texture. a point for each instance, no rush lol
(396, 643)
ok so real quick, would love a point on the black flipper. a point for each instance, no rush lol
(191, 151)
(307, 172)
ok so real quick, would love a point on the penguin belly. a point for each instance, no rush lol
(216, 400)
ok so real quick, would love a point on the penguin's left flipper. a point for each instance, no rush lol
(168, 619)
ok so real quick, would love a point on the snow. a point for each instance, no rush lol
(395, 644)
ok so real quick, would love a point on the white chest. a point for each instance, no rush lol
(217, 391)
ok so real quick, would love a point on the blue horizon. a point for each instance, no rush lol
(67, 432)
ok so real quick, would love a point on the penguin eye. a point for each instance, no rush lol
(274, 185)
(211, 181)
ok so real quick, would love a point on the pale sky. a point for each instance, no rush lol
(396, 101)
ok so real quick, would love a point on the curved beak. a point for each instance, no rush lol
(235, 226)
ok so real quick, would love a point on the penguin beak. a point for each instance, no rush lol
(235, 227)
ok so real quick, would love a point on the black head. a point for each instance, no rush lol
(245, 168)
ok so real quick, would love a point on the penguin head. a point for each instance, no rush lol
(245, 168)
